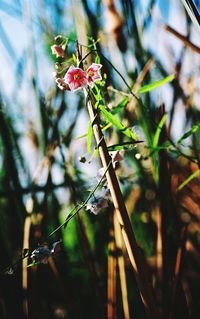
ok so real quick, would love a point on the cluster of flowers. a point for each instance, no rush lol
(97, 203)
(41, 254)
(76, 78)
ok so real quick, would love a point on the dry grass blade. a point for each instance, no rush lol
(183, 38)
(179, 303)
(121, 266)
(159, 257)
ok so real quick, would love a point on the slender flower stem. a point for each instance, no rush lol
(136, 257)
(78, 207)
(75, 210)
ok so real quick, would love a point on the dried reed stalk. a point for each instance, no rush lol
(27, 227)
(183, 38)
(136, 257)
(178, 299)
(121, 266)
(111, 286)
(159, 257)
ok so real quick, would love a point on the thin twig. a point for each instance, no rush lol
(183, 38)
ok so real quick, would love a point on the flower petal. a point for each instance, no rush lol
(76, 78)
(93, 73)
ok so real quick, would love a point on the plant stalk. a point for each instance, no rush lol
(136, 257)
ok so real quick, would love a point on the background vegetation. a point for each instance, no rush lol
(42, 175)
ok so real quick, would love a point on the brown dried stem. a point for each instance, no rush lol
(183, 38)
(121, 266)
(27, 227)
(111, 287)
(136, 257)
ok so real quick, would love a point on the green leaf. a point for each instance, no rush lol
(158, 130)
(96, 152)
(155, 85)
(192, 176)
(107, 126)
(97, 59)
(32, 264)
(89, 137)
(74, 58)
(81, 136)
(120, 106)
(123, 146)
(190, 132)
(72, 37)
(112, 119)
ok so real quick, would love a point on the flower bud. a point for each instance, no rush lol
(62, 84)
(58, 51)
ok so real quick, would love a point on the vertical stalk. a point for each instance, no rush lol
(178, 299)
(111, 287)
(159, 259)
(136, 257)
(121, 266)
(27, 227)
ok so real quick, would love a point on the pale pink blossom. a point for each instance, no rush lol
(76, 78)
(117, 157)
(97, 204)
(57, 50)
(93, 74)
(100, 174)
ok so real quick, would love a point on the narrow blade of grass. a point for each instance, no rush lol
(189, 133)
(192, 176)
(158, 130)
(112, 119)
(155, 85)
(120, 106)
(123, 146)
(89, 137)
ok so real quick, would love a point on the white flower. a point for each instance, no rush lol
(97, 204)
(56, 248)
(41, 255)
(100, 174)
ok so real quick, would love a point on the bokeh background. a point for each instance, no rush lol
(42, 177)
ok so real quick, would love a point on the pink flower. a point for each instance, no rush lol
(76, 78)
(93, 74)
(57, 50)
(117, 156)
